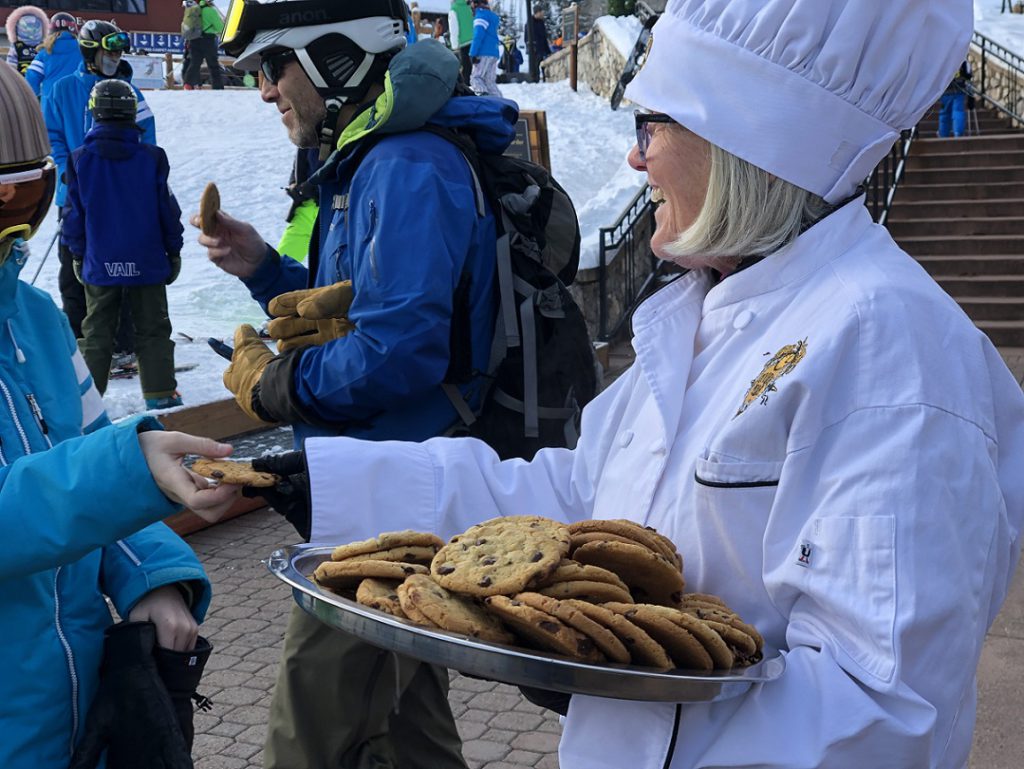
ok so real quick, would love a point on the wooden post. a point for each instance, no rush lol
(573, 47)
(168, 70)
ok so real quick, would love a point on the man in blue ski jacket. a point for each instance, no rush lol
(80, 501)
(68, 120)
(401, 245)
(485, 49)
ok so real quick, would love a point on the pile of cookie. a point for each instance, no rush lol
(596, 591)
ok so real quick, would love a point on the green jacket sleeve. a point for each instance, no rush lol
(299, 230)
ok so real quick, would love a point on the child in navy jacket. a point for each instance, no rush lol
(123, 227)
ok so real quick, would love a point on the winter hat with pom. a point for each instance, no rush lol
(813, 91)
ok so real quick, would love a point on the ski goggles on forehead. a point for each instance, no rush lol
(644, 130)
(245, 18)
(25, 197)
(115, 42)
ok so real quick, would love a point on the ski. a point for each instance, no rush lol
(648, 16)
(127, 372)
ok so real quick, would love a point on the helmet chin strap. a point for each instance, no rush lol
(329, 126)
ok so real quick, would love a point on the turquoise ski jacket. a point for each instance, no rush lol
(78, 513)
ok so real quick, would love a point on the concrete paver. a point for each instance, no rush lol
(500, 729)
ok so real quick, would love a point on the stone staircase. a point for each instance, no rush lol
(960, 213)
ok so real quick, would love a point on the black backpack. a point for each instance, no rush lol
(542, 368)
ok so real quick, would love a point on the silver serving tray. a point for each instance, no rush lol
(499, 662)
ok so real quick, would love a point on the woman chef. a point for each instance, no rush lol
(833, 446)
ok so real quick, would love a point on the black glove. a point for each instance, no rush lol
(132, 716)
(547, 699)
(175, 260)
(290, 497)
(76, 267)
(180, 672)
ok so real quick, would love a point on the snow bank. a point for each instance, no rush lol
(621, 31)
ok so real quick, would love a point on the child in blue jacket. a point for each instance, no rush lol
(123, 228)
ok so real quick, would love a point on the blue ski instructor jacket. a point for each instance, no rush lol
(402, 224)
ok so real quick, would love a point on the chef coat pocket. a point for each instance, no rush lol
(737, 475)
(846, 571)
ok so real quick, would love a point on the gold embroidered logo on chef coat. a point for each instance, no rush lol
(782, 363)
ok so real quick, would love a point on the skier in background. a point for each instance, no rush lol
(58, 56)
(25, 29)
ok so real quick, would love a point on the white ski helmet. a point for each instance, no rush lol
(343, 46)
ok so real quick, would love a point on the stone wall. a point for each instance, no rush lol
(599, 64)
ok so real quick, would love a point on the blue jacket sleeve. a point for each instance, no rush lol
(479, 34)
(145, 120)
(59, 504)
(72, 229)
(410, 243)
(37, 71)
(55, 127)
(170, 211)
(151, 558)
(277, 275)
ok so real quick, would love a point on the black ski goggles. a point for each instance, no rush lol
(245, 17)
(115, 42)
(25, 197)
(644, 131)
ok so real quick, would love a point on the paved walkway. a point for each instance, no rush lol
(499, 728)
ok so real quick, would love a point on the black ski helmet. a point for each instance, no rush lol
(112, 100)
(90, 40)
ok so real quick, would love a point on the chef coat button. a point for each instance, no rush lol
(742, 320)
(626, 438)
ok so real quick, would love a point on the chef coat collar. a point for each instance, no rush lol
(827, 240)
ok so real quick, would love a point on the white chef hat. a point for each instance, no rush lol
(812, 91)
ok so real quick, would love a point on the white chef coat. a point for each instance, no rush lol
(836, 451)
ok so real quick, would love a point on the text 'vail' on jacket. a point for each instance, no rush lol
(383, 380)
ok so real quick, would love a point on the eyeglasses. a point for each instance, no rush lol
(25, 198)
(272, 64)
(644, 133)
(115, 42)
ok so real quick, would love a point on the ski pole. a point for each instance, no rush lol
(49, 248)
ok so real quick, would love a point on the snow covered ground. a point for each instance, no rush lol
(1007, 29)
(234, 139)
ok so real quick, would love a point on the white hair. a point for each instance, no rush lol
(746, 212)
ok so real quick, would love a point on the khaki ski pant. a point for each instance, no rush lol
(340, 703)
(153, 344)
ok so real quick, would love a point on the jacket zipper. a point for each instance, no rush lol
(70, 656)
(38, 414)
(373, 242)
(14, 415)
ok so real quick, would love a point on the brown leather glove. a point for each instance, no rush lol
(243, 374)
(311, 316)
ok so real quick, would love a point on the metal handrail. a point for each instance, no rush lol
(620, 237)
(882, 184)
(988, 50)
